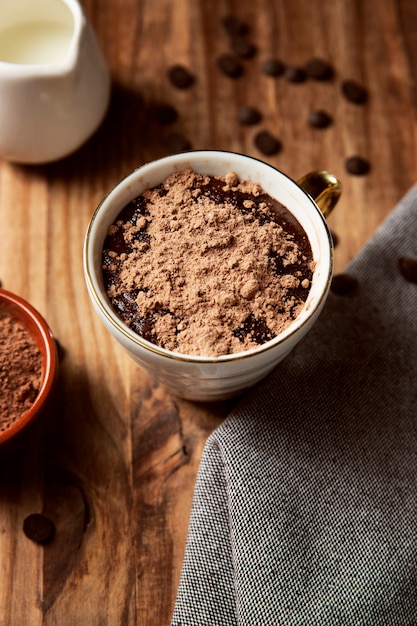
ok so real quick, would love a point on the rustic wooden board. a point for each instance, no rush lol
(114, 462)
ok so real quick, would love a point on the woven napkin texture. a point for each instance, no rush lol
(305, 506)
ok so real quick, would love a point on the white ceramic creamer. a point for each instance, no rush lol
(54, 82)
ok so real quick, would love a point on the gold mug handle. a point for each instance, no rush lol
(323, 187)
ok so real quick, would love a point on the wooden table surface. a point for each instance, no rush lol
(114, 461)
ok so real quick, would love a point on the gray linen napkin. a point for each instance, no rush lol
(305, 506)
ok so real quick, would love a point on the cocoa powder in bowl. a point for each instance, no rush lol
(28, 364)
(20, 370)
(206, 265)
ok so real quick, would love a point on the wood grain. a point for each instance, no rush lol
(114, 461)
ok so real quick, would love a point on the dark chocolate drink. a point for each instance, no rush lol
(207, 265)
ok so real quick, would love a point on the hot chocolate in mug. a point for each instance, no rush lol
(206, 378)
(54, 83)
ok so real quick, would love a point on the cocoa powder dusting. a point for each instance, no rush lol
(20, 370)
(201, 265)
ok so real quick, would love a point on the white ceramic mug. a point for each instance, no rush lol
(214, 378)
(54, 83)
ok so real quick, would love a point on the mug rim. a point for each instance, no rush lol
(104, 306)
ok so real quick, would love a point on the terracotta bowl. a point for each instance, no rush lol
(34, 323)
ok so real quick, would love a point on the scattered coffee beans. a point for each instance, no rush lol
(408, 269)
(180, 77)
(357, 166)
(354, 92)
(273, 67)
(249, 115)
(319, 119)
(295, 74)
(344, 285)
(38, 528)
(230, 66)
(267, 143)
(319, 69)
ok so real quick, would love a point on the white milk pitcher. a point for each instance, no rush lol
(54, 83)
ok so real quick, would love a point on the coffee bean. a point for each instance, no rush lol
(273, 67)
(267, 143)
(230, 66)
(319, 119)
(295, 74)
(357, 166)
(344, 285)
(319, 69)
(408, 269)
(176, 142)
(354, 92)
(249, 115)
(180, 77)
(234, 26)
(38, 528)
(166, 114)
(243, 48)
